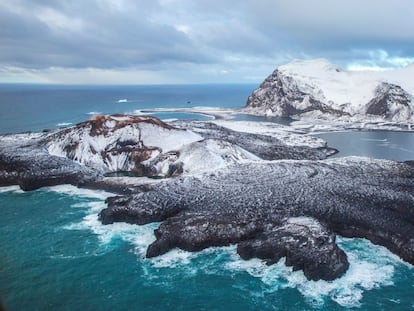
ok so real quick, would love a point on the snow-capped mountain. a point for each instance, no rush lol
(317, 88)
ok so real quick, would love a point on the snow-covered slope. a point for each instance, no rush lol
(200, 157)
(319, 88)
(142, 145)
(119, 143)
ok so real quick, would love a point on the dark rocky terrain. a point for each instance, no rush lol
(263, 146)
(25, 162)
(281, 96)
(250, 203)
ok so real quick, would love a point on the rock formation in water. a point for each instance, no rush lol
(252, 204)
(319, 89)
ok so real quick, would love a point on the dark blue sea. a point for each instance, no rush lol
(39, 107)
(55, 255)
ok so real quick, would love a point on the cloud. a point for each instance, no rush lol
(96, 36)
(199, 40)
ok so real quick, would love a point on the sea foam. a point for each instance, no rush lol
(371, 266)
(80, 192)
(10, 189)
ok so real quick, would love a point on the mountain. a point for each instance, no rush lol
(317, 88)
(121, 143)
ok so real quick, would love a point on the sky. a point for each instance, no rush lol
(195, 41)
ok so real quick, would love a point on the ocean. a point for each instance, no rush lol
(40, 107)
(55, 254)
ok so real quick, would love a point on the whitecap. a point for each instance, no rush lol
(174, 258)
(79, 192)
(93, 113)
(139, 112)
(123, 100)
(10, 189)
(140, 236)
(63, 124)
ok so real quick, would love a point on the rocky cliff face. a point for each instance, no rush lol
(319, 89)
(390, 102)
(25, 162)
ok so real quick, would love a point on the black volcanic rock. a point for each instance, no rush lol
(354, 197)
(28, 164)
(280, 95)
(306, 245)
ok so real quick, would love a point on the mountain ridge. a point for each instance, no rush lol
(317, 88)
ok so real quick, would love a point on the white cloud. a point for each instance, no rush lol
(378, 60)
(183, 28)
(58, 21)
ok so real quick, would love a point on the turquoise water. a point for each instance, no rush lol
(55, 255)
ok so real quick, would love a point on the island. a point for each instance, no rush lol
(273, 195)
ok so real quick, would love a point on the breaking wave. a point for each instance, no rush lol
(371, 266)
(15, 189)
(79, 192)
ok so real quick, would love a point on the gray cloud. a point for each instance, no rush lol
(96, 35)
(214, 37)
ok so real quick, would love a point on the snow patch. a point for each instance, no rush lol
(286, 134)
(210, 155)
